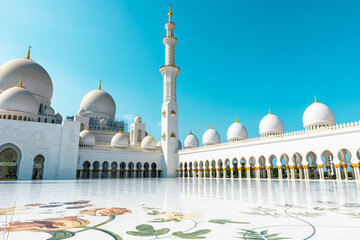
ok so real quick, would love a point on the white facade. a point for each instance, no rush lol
(57, 143)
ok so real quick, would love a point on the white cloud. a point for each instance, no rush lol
(159, 124)
(129, 117)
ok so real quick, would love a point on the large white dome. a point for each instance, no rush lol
(271, 124)
(18, 100)
(119, 140)
(191, 141)
(318, 114)
(36, 78)
(148, 142)
(236, 132)
(87, 138)
(210, 137)
(99, 103)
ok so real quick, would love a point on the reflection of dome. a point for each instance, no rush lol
(211, 136)
(18, 101)
(87, 138)
(318, 114)
(148, 142)
(236, 132)
(137, 119)
(36, 79)
(119, 140)
(191, 141)
(99, 103)
(49, 111)
(271, 124)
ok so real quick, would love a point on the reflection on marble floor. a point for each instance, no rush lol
(179, 209)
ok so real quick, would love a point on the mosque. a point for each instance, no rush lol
(37, 143)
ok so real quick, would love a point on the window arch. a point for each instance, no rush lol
(139, 135)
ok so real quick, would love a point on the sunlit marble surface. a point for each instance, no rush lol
(180, 209)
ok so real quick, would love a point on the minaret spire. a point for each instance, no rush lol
(100, 85)
(170, 13)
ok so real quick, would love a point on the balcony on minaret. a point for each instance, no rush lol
(163, 136)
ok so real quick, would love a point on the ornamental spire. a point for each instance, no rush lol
(315, 100)
(100, 85)
(28, 53)
(236, 120)
(270, 111)
(170, 13)
(21, 83)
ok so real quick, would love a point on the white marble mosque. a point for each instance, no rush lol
(94, 144)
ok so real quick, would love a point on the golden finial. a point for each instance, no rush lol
(211, 126)
(28, 54)
(236, 120)
(149, 133)
(100, 85)
(270, 111)
(170, 13)
(190, 132)
(87, 127)
(120, 130)
(315, 100)
(21, 83)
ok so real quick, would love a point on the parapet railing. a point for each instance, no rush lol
(312, 130)
(119, 149)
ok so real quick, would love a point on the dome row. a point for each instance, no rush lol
(315, 116)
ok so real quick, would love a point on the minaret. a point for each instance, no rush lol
(169, 113)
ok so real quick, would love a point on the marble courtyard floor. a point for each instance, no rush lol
(179, 209)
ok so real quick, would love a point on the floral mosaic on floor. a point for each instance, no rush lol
(65, 227)
(133, 209)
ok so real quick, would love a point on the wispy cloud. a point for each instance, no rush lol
(159, 124)
(129, 117)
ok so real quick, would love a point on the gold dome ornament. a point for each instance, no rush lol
(28, 53)
(100, 85)
(21, 83)
(270, 112)
(315, 100)
(170, 13)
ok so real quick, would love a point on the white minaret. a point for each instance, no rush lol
(169, 113)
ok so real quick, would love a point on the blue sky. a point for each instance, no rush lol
(237, 58)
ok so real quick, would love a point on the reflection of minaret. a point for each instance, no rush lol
(169, 115)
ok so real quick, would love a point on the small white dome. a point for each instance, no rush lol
(148, 142)
(98, 103)
(236, 132)
(318, 114)
(81, 112)
(87, 138)
(271, 124)
(191, 141)
(119, 140)
(36, 78)
(58, 117)
(137, 119)
(49, 111)
(210, 137)
(20, 100)
(158, 144)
